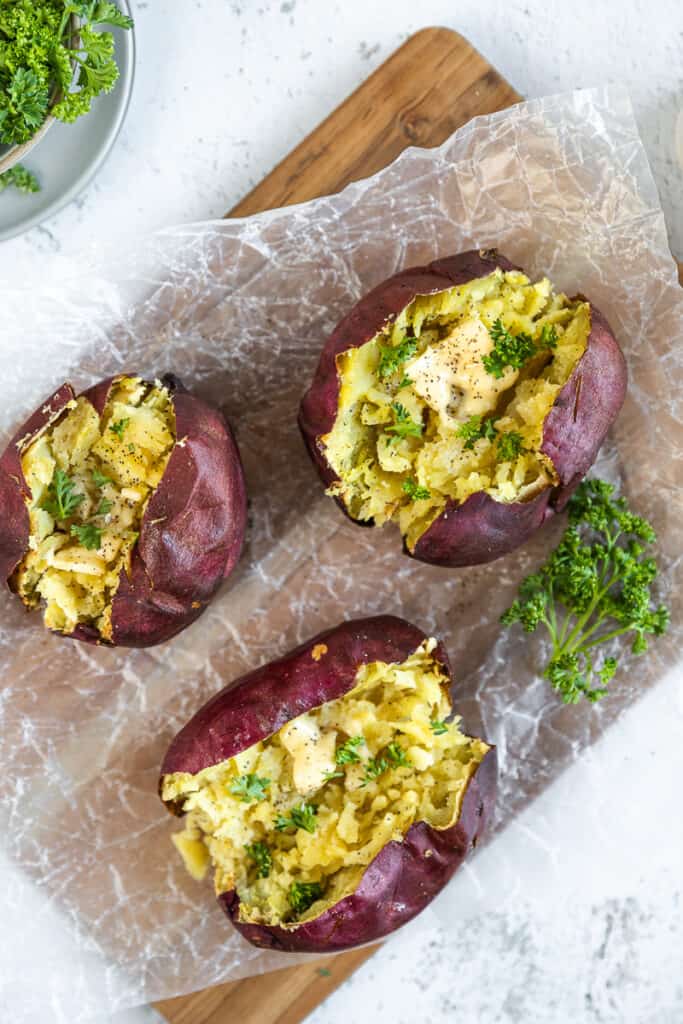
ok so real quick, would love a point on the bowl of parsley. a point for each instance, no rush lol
(56, 57)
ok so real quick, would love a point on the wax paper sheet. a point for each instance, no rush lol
(239, 310)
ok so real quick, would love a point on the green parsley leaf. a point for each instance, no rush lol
(475, 428)
(302, 816)
(347, 753)
(405, 382)
(119, 427)
(104, 507)
(594, 587)
(510, 446)
(261, 856)
(328, 776)
(88, 535)
(414, 491)
(20, 178)
(375, 767)
(324, 972)
(60, 500)
(515, 350)
(99, 479)
(303, 895)
(249, 788)
(403, 425)
(109, 14)
(438, 727)
(397, 755)
(392, 356)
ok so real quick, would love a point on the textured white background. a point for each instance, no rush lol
(223, 91)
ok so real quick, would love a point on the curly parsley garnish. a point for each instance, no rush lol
(475, 428)
(510, 446)
(404, 425)
(438, 727)
(600, 578)
(88, 535)
(301, 816)
(20, 178)
(249, 788)
(393, 755)
(391, 357)
(39, 51)
(514, 350)
(347, 752)
(104, 507)
(303, 895)
(261, 856)
(119, 427)
(60, 500)
(99, 479)
(414, 491)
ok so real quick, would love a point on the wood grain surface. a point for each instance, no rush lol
(432, 85)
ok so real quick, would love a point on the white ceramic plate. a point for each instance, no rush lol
(71, 154)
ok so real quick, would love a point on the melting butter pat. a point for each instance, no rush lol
(451, 377)
(312, 753)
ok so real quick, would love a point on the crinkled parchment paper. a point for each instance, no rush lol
(239, 310)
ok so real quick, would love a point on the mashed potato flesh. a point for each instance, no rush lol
(90, 479)
(364, 768)
(405, 396)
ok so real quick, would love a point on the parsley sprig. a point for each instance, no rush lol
(439, 727)
(347, 753)
(414, 491)
(391, 357)
(514, 350)
(475, 428)
(510, 446)
(303, 895)
(404, 425)
(19, 177)
(393, 755)
(88, 535)
(261, 856)
(594, 587)
(61, 500)
(301, 816)
(119, 427)
(249, 787)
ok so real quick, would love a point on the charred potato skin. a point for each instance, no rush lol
(404, 877)
(480, 529)
(192, 531)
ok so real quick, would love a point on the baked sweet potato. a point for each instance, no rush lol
(121, 510)
(463, 402)
(328, 790)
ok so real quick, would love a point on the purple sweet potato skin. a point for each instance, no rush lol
(481, 529)
(191, 534)
(397, 885)
(258, 704)
(14, 521)
(404, 877)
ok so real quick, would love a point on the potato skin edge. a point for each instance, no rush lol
(481, 529)
(164, 590)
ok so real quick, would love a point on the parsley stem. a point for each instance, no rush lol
(604, 638)
(568, 641)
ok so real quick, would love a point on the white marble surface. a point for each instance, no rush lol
(223, 90)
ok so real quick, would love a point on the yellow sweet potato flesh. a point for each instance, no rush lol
(360, 805)
(441, 386)
(114, 463)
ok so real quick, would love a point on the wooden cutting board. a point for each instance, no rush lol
(432, 85)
